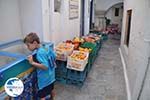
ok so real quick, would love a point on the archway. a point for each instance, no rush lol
(115, 14)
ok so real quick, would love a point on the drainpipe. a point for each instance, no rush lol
(145, 75)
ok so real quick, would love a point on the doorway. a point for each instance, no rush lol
(82, 18)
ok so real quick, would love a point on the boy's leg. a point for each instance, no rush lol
(52, 95)
(42, 99)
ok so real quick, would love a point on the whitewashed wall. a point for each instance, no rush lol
(101, 8)
(104, 5)
(61, 27)
(115, 19)
(10, 28)
(136, 55)
(31, 17)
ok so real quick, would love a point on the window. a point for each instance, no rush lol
(128, 27)
(57, 4)
(116, 12)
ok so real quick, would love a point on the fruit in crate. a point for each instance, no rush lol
(82, 40)
(78, 40)
(94, 36)
(63, 50)
(85, 49)
(97, 38)
(78, 55)
(89, 39)
(76, 45)
(64, 46)
(68, 41)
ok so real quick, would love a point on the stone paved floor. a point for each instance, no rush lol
(105, 80)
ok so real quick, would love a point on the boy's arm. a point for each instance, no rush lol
(37, 65)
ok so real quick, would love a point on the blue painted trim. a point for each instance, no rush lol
(11, 43)
(7, 66)
(14, 55)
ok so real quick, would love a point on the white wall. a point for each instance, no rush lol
(136, 55)
(23, 16)
(101, 8)
(31, 17)
(115, 19)
(46, 20)
(146, 88)
(61, 27)
(10, 28)
(104, 5)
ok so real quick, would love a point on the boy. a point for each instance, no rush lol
(45, 64)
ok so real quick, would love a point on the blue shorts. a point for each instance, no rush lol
(46, 91)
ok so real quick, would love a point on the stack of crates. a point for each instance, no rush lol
(105, 37)
(99, 44)
(96, 32)
(92, 55)
(61, 71)
(69, 76)
(76, 78)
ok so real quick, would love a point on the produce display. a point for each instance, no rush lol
(92, 38)
(88, 45)
(95, 36)
(85, 49)
(63, 50)
(78, 55)
(77, 60)
(89, 39)
(64, 46)
(78, 40)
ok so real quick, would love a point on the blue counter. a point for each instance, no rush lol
(14, 63)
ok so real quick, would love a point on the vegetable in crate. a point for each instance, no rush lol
(88, 45)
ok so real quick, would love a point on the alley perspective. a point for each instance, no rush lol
(74, 50)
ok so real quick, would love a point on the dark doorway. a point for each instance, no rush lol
(82, 18)
(91, 14)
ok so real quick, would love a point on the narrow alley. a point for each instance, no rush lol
(104, 82)
(80, 49)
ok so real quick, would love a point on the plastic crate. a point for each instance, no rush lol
(60, 74)
(88, 45)
(99, 44)
(77, 75)
(61, 66)
(95, 32)
(62, 54)
(77, 64)
(105, 37)
(61, 80)
(61, 70)
(75, 83)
